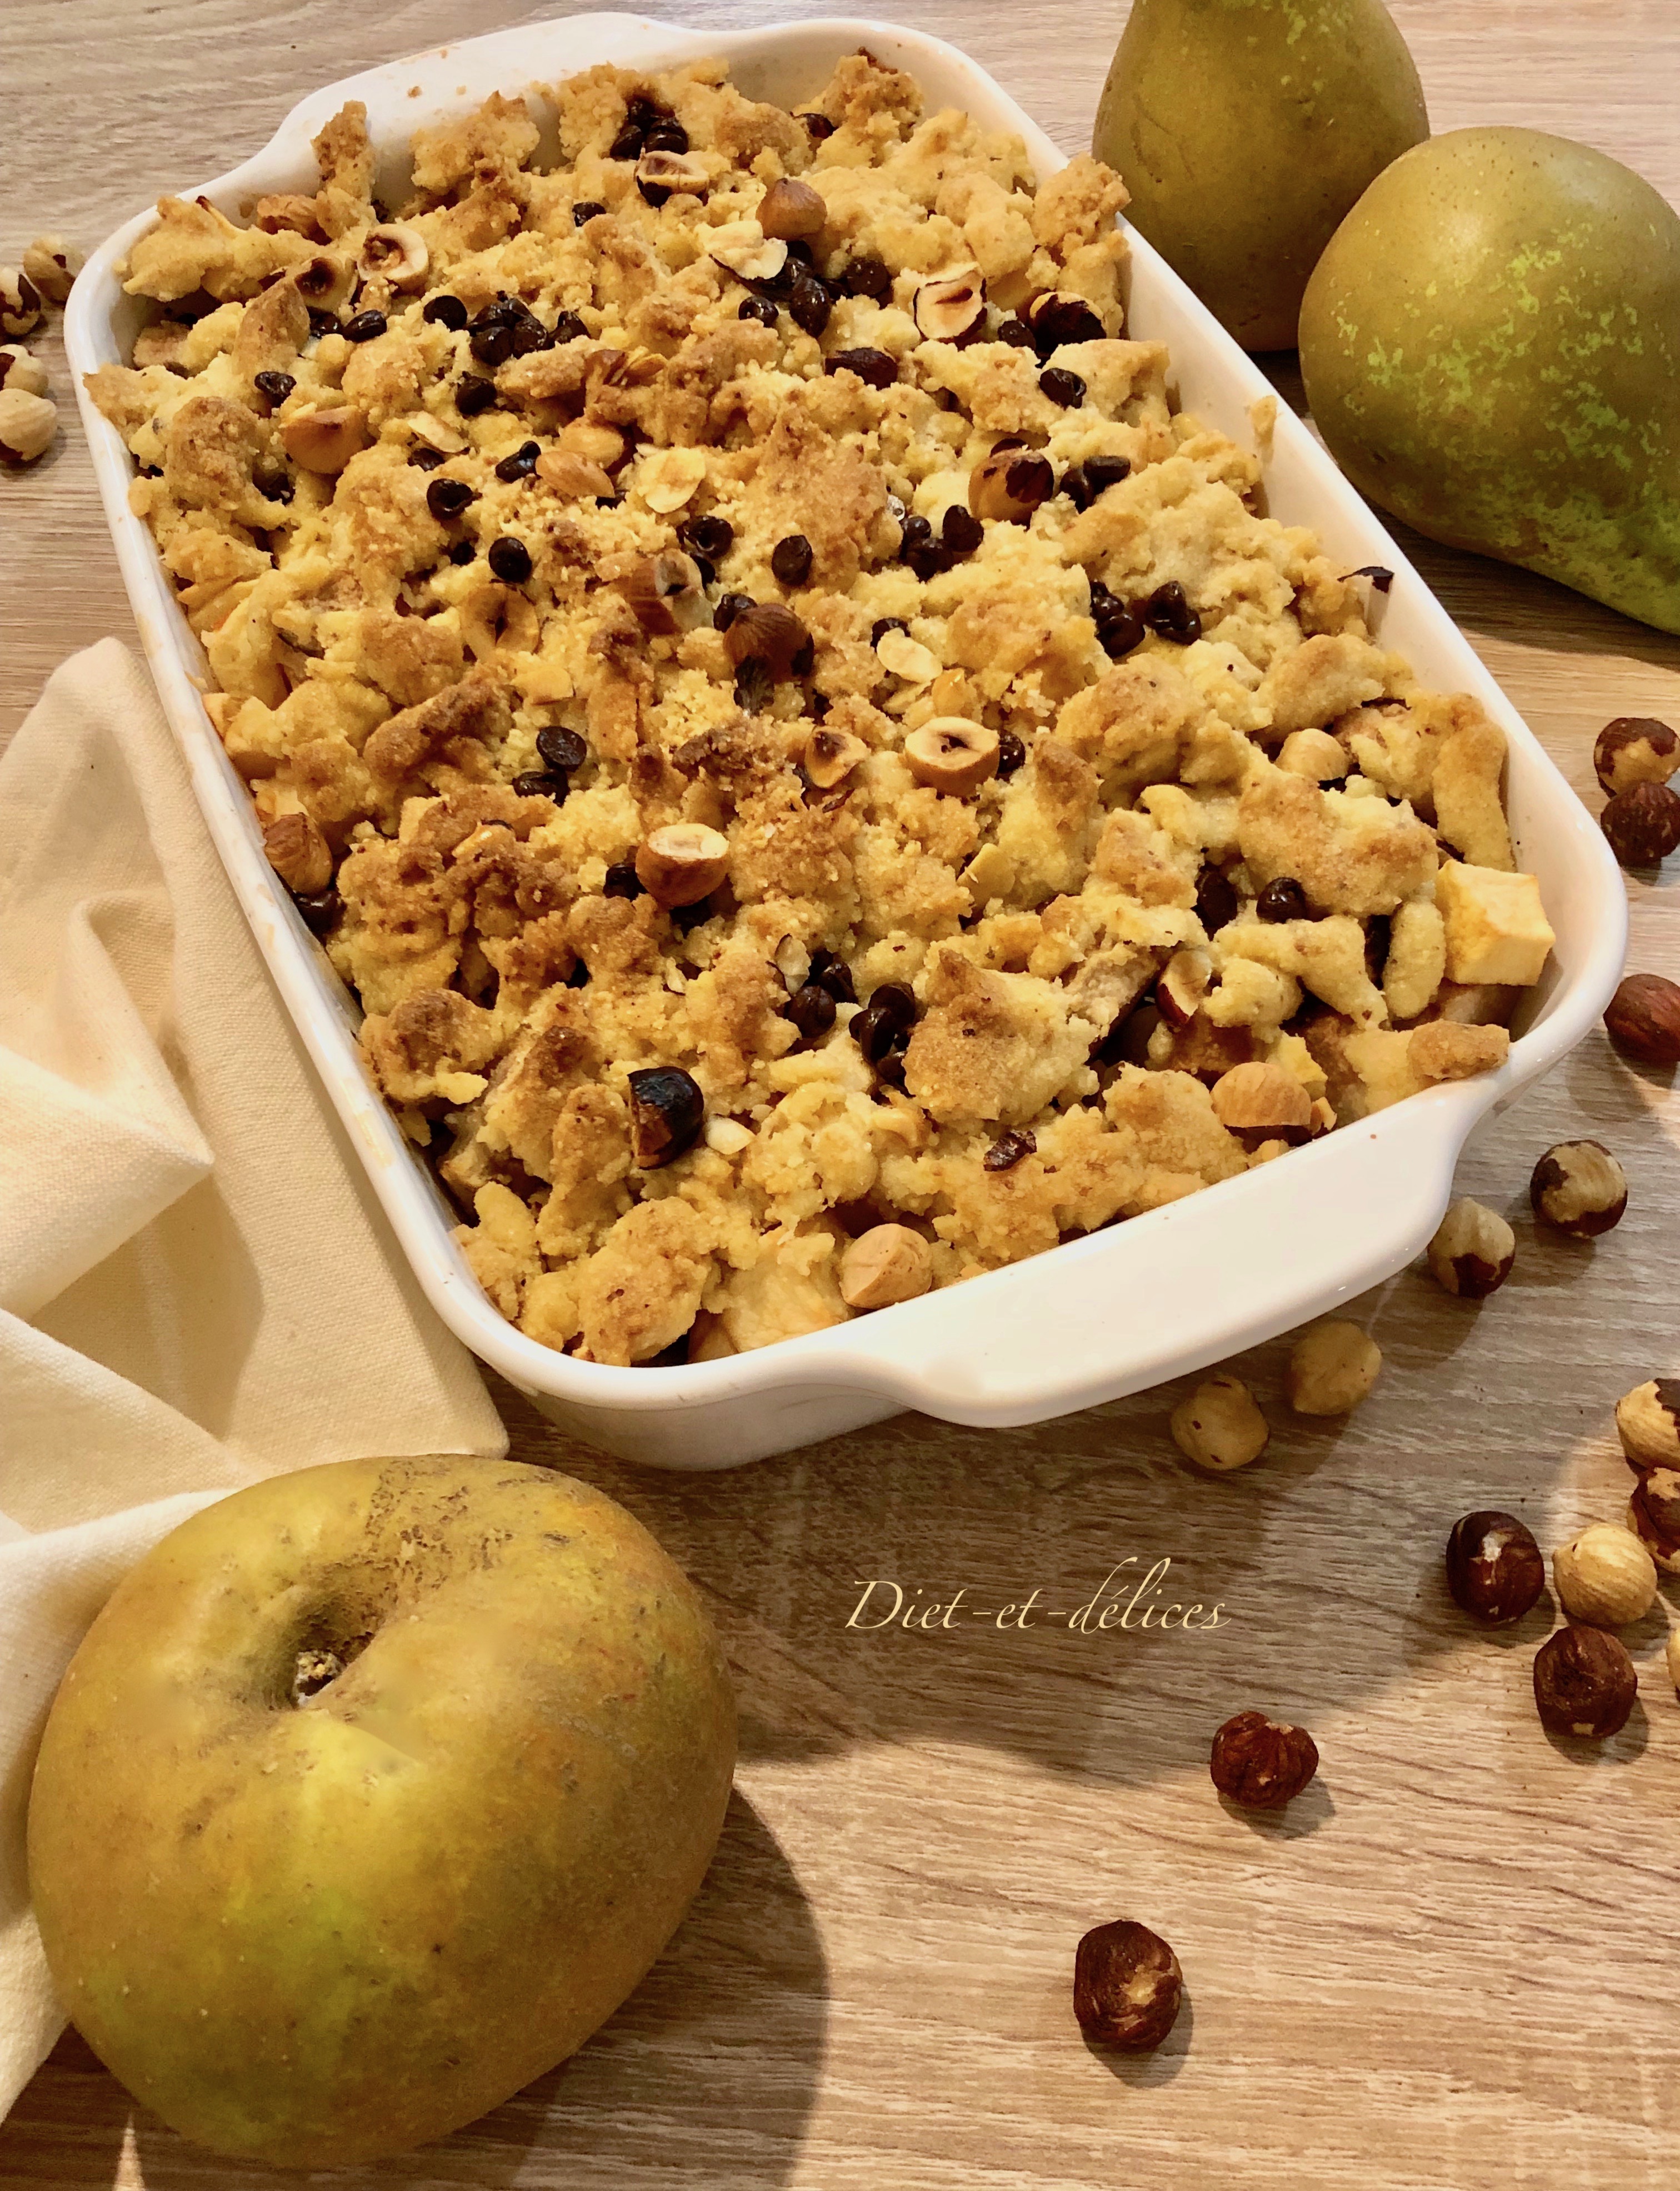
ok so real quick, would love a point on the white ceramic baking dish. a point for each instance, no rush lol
(1099, 1317)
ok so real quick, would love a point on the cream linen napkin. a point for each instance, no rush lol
(196, 1287)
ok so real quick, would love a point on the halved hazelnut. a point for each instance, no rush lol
(1183, 984)
(324, 281)
(573, 477)
(298, 853)
(666, 593)
(288, 212)
(673, 171)
(1264, 1101)
(830, 756)
(952, 754)
(1010, 484)
(744, 247)
(665, 479)
(907, 657)
(682, 863)
(324, 441)
(1062, 316)
(772, 631)
(594, 443)
(888, 1263)
(789, 208)
(951, 306)
(397, 254)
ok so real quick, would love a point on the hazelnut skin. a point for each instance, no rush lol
(1332, 1368)
(1647, 1423)
(1635, 749)
(1579, 1187)
(1643, 824)
(1584, 1683)
(1496, 1570)
(1653, 1516)
(1262, 1763)
(1219, 1426)
(1472, 1251)
(1127, 1987)
(1642, 1019)
(1605, 1577)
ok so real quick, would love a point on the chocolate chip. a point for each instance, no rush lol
(883, 1027)
(627, 144)
(473, 395)
(426, 460)
(321, 910)
(444, 311)
(666, 137)
(684, 917)
(1169, 614)
(708, 570)
(588, 210)
(882, 625)
(810, 305)
(1016, 332)
(1076, 486)
(463, 551)
(1122, 635)
(621, 880)
(729, 606)
(667, 1111)
(960, 530)
(447, 498)
(818, 126)
(1063, 387)
(1282, 899)
(578, 978)
(834, 974)
(562, 749)
(1009, 1148)
(1381, 579)
(323, 323)
(644, 112)
(1011, 752)
(1103, 472)
(521, 464)
(493, 346)
(876, 369)
(1216, 899)
(790, 559)
(541, 784)
(569, 328)
(1379, 929)
(754, 686)
(277, 386)
(710, 536)
(812, 1010)
(511, 559)
(365, 326)
(757, 308)
(1060, 318)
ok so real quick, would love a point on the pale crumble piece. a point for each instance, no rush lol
(804, 736)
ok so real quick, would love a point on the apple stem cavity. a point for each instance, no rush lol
(313, 1671)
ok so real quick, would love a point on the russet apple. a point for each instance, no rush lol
(370, 1794)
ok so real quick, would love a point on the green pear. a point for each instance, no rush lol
(370, 1793)
(1244, 130)
(1491, 349)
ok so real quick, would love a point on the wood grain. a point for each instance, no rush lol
(1451, 1967)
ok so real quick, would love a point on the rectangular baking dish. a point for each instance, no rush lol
(1161, 1295)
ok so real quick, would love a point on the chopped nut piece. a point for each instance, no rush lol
(888, 1263)
(20, 303)
(27, 425)
(593, 443)
(672, 171)
(951, 755)
(907, 657)
(1647, 1423)
(1472, 1251)
(1642, 1019)
(1445, 1049)
(1605, 1577)
(667, 1111)
(1635, 749)
(1494, 1569)
(830, 756)
(1584, 1683)
(1496, 928)
(790, 208)
(1010, 484)
(665, 479)
(1183, 983)
(1263, 1100)
(324, 441)
(682, 863)
(666, 593)
(1219, 1426)
(744, 247)
(396, 254)
(1642, 824)
(949, 306)
(1262, 1763)
(19, 372)
(1653, 1516)
(573, 477)
(52, 264)
(1314, 753)
(1127, 1987)
(1579, 1187)
(299, 854)
(1332, 1368)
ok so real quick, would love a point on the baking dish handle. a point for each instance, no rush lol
(1234, 1266)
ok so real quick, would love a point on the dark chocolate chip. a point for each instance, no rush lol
(868, 276)
(812, 1010)
(1063, 387)
(511, 559)
(562, 749)
(447, 498)
(1215, 899)
(541, 784)
(463, 551)
(473, 395)
(627, 144)
(709, 535)
(757, 308)
(444, 311)
(883, 625)
(667, 1111)
(729, 606)
(834, 974)
(588, 210)
(321, 910)
(810, 305)
(493, 346)
(1282, 899)
(277, 386)
(521, 464)
(790, 559)
(876, 369)
(568, 328)
(1103, 472)
(818, 126)
(1169, 614)
(426, 460)
(1016, 332)
(960, 530)
(621, 880)
(1011, 752)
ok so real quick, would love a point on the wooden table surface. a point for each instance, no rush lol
(1452, 1965)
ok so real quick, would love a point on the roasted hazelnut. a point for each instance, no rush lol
(770, 631)
(659, 174)
(1183, 983)
(280, 213)
(1332, 1368)
(1059, 316)
(1643, 824)
(595, 441)
(1262, 1102)
(1635, 749)
(324, 441)
(906, 657)
(666, 594)
(749, 252)
(1642, 1019)
(1578, 1187)
(1496, 1570)
(830, 756)
(20, 302)
(1653, 1516)
(19, 372)
(396, 255)
(1647, 1423)
(682, 863)
(52, 264)
(888, 1263)
(27, 425)
(667, 1111)
(1127, 1987)
(298, 853)
(791, 209)
(1010, 484)
(1584, 1683)
(1219, 1426)
(952, 754)
(1472, 1251)
(951, 307)
(1262, 1763)
(1605, 1577)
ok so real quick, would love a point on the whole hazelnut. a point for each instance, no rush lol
(1262, 1763)
(1653, 1516)
(1494, 1569)
(27, 425)
(1584, 1683)
(1647, 1423)
(1605, 1577)
(1472, 1250)
(52, 264)
(1219, 1426)
(1643, 824)
(1580, 1189)
(1642, 1019)
(20, 302)
(1635, 749)
(1332, 1368)
(1127, 1986)
(23, 374)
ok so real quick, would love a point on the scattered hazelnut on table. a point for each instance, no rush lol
(52, 264)
(1635, 749)
(1642, 1019)
(887, 1264)
(1584, 1683)
(1643, 824)
(21, 372)
(1605, 1577)
(1496, 1571)
(1580, 1189)
(20, 302)
(1647, 1423)
(1220, 1426)
(1262, 1763)
(1127, 1986)
(1332, 1368)
(27, 425)
(1472, 1250)
(1653, 1516)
